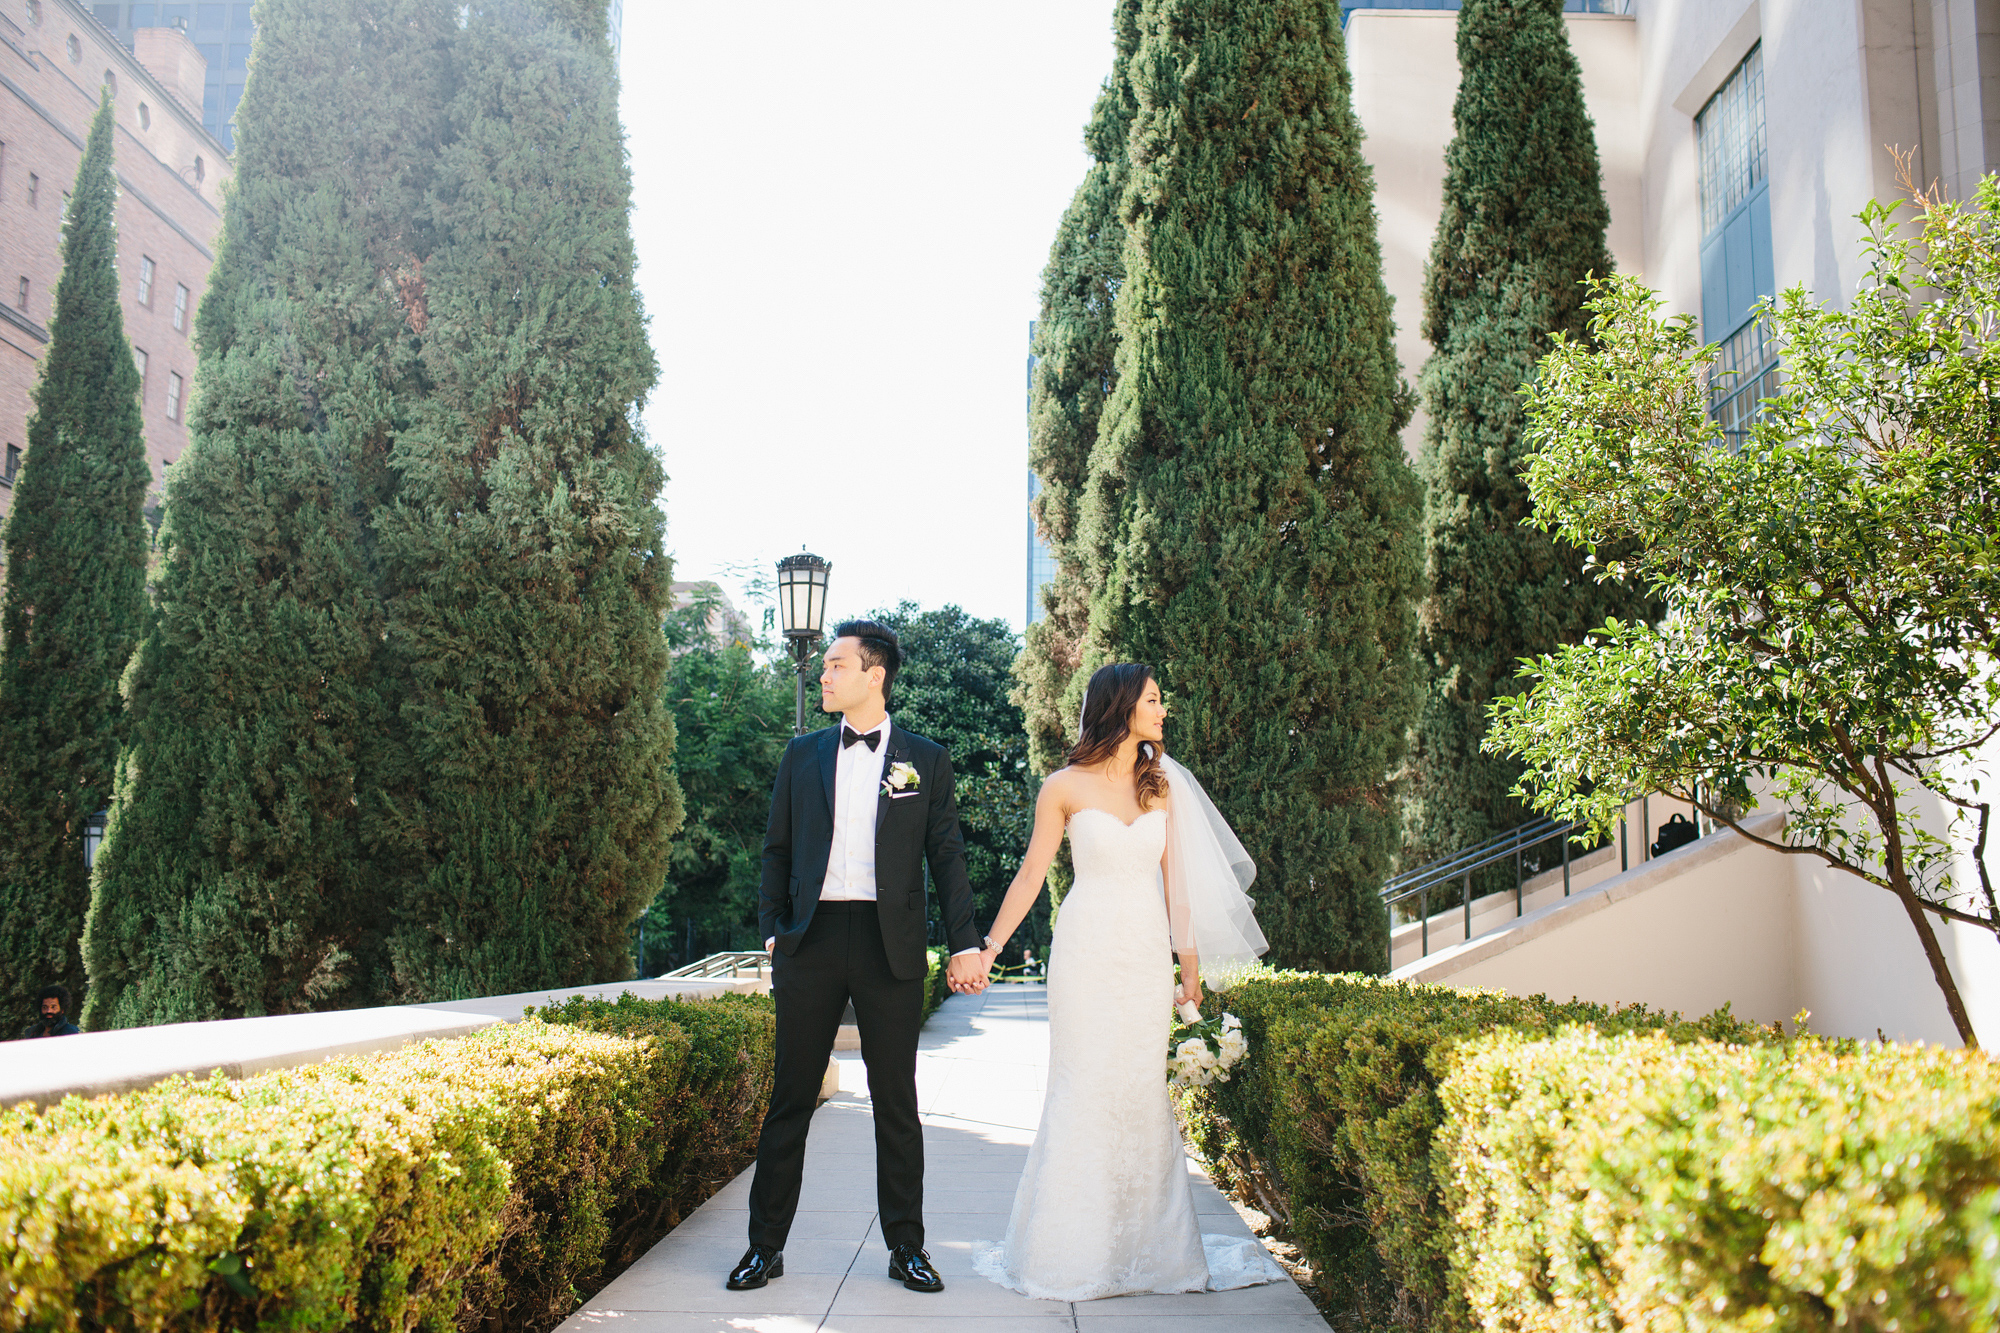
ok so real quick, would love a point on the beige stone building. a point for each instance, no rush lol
(54, 59)
(1738, 139)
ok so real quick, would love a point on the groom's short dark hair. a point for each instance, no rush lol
(879, 648)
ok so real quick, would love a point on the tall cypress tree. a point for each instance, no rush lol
(1523, 223)
(234, 878)
(75, 601)
(1264, 549)
(1075, 368)
(531, 800)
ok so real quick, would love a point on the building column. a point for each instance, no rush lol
(1966, 57)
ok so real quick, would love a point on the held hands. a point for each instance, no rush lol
(967, 973)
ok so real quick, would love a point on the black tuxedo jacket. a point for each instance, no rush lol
(909, 831)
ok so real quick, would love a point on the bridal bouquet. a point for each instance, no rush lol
(1202, 1051)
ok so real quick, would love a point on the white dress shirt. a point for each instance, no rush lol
(857, 790)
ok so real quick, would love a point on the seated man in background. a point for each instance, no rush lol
(53, 999)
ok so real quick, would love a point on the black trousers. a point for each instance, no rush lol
(842, 958)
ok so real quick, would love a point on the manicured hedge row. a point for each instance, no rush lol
(1631, 1182)
(1330, 1124)
(488, 1177)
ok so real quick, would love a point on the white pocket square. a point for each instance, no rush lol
(902, 795)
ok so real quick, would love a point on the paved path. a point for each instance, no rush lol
(980, 1079)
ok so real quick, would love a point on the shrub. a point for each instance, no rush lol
(1329, 1125)
(393, 1191)
(711, 1120)
(1631, 1182)
(937, 989)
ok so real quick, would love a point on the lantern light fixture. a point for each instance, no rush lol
(802, 595)
(802, 580)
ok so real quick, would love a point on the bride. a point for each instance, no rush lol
(1104, 1207)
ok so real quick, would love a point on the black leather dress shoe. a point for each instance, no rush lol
(912, 1267)
(759, 1264)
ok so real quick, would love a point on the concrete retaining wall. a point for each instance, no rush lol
(1724, 921)
(45, 1071)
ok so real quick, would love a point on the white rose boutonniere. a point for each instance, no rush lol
(901, 777)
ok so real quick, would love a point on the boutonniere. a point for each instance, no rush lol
(901, 777)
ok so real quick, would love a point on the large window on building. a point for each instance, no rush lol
(1736, 267)
(222, 33)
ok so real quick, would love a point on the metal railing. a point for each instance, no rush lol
(1515, 844)
(719, 965)
(1347, 7)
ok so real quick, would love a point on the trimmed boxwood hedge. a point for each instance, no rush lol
(1330, 1125)
(491, 1177)
(1633, 1182)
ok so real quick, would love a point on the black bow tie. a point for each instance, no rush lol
(848, 735)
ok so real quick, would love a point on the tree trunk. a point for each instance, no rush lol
(1899, 883)
(1940, 969)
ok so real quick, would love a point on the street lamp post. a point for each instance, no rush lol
(802, 604)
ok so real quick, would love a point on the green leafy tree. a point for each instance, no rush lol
(235, 875)
(954, 688)
(1075, 352)
(732, 719)
(75, 597)
(1522, 227)
(1834, 585)
(529, 795)
(1263, 541)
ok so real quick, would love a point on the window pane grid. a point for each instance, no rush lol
(1730, 135)
(1745, 373)
(1730, 141)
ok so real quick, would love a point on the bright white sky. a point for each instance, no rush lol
(842, 212)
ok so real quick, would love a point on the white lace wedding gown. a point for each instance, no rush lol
(1104, 1206)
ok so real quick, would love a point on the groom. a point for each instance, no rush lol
(856, 812)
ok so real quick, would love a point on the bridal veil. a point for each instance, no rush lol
(1209, 912)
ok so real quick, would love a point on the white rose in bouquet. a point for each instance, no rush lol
(1202, 1051)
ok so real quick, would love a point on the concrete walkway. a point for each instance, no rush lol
(980, 1080)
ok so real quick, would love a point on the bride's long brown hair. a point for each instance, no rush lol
(1107, 714)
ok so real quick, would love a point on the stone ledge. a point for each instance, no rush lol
(93, 1064)
(1656, 873)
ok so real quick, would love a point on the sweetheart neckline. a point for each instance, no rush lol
(1108, 815)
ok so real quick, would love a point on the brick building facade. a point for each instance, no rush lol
(54, 57)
